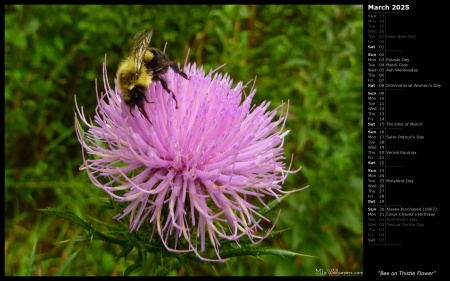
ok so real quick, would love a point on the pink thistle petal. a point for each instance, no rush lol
(198, 173)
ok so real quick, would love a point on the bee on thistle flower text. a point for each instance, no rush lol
(143, 66)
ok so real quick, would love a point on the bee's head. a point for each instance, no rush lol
(136, 96)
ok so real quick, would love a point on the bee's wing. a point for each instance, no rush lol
(139, 47)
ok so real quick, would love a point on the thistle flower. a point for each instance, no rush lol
(198, 173)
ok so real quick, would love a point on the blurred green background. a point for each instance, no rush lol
(309, 55)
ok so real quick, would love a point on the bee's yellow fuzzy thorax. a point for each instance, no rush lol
(126, 73)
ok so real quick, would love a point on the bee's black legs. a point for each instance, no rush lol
(138, 98)
(141, 109)
(177, 70)
(145, 98)
(164, 84)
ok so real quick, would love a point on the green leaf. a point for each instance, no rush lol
(255, 251)
(68, 216)
(89, 227)
(31, 261)
(67, 263)
(127, 249)
(132, 268)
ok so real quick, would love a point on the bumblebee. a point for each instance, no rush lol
(143, 66)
